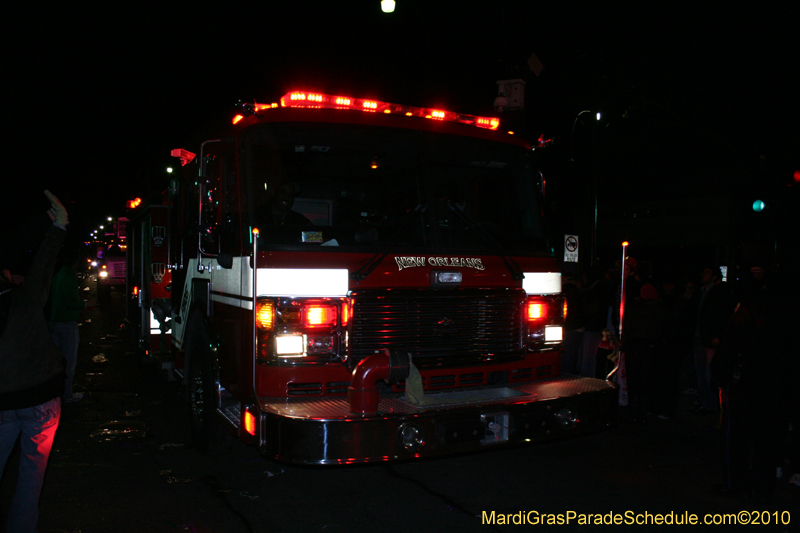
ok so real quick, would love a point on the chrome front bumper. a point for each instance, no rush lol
(323, 431)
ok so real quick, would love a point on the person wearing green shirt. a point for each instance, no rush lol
(64, 311)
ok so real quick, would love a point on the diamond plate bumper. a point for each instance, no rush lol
(323, 431)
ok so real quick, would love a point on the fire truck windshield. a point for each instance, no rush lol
(366, 188)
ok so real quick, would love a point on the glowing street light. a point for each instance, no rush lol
(387, 6)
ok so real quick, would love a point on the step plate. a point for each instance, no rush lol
(338, 408)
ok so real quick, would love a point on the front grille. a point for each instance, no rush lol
(440, 328)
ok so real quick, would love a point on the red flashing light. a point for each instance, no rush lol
(537, 310)
(237, 118)
(319, 315)
(250, 423)
(185, 156)
(133, 204)
(488, 123)
(304, 99)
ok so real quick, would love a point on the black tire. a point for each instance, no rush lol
(206, 432)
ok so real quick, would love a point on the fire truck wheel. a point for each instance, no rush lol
(206, 432)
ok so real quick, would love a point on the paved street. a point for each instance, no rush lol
(120, 464)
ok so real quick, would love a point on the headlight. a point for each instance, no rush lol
(103, 273)
(290, 345)
(553, 334)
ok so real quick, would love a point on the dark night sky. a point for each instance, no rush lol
(695, 96)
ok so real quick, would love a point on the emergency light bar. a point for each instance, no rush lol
(304, 99)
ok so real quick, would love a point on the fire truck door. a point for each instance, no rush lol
(220, 242)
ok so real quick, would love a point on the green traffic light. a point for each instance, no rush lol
(758, 206)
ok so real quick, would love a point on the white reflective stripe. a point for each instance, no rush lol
(302, 282)
(542, 282)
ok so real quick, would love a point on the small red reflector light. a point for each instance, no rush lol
(250, 423)
(345, 313)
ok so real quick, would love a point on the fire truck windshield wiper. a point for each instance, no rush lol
(513, 267)
(367, 268)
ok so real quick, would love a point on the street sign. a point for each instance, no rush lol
(570, 248)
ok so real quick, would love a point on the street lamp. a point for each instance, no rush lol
(387, 6)
(593, 176)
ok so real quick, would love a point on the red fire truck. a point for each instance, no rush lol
(149, 281)
(347, 280)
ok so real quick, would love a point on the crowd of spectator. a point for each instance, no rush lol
(693, 344)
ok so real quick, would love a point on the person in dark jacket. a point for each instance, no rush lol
(645, 323)
(755, 366)
(31, 375)
(714, 309)
(64, 311)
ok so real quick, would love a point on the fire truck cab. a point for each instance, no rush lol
(358, 281)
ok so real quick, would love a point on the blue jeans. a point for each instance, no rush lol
(65, 335)
(36, 428)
